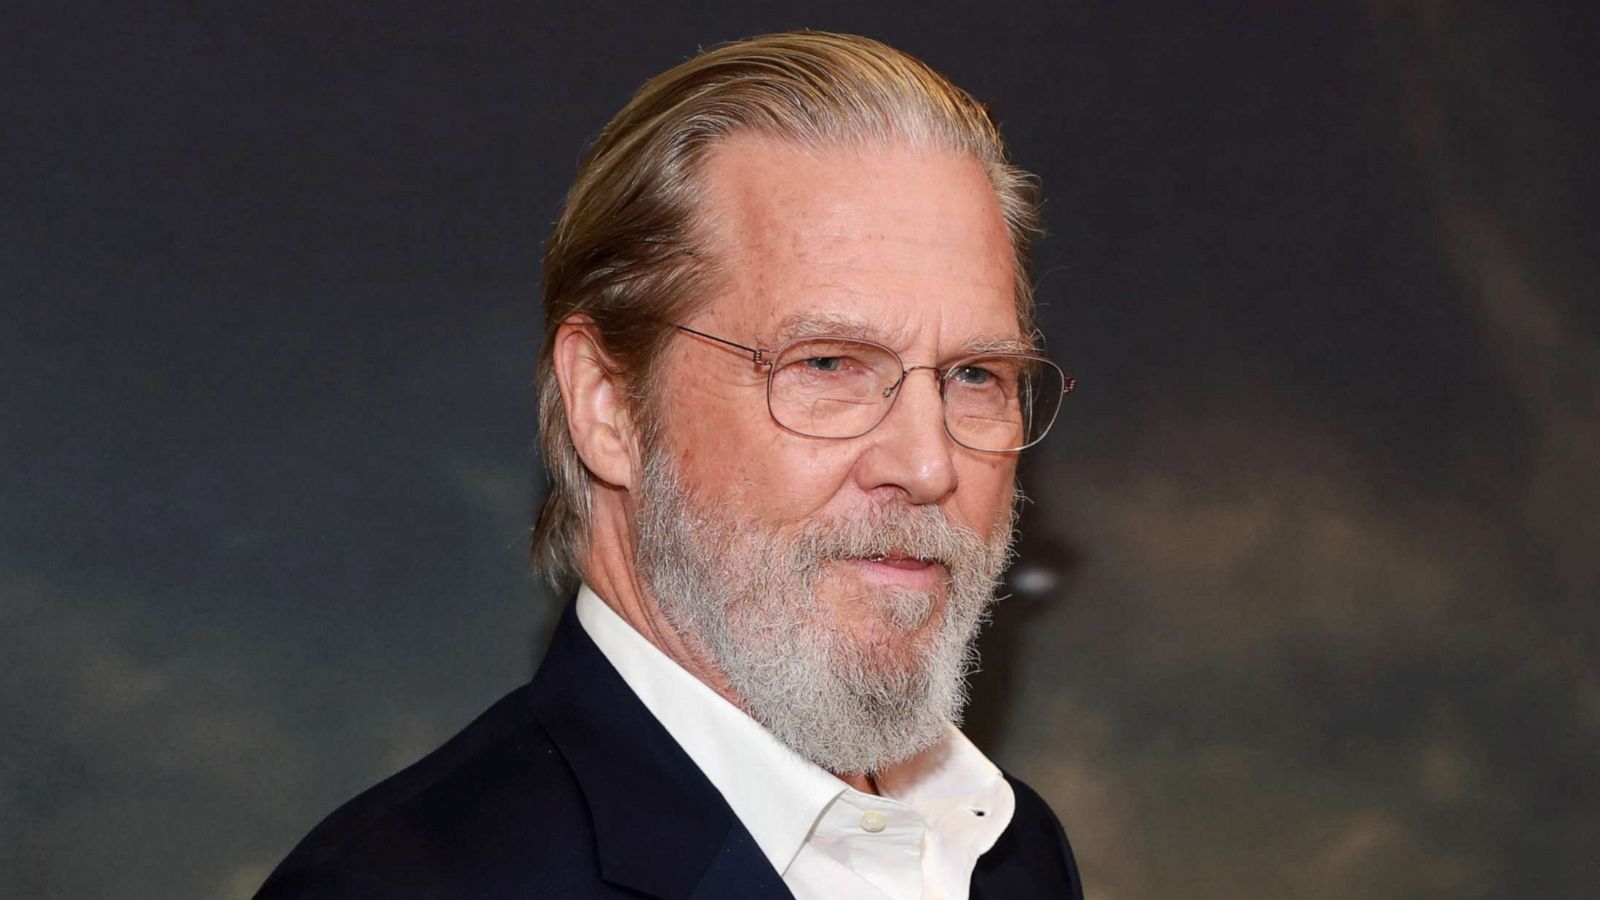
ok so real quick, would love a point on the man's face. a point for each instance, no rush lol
(904, 247)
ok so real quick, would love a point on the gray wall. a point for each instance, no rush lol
(1320, 524)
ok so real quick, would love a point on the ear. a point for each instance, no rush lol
(595, 399)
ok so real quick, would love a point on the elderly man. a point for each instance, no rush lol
(788, 368)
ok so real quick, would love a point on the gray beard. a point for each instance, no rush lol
(743, 595)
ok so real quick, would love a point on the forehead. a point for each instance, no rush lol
(900, 244)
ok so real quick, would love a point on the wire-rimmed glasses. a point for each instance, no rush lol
(839, 387)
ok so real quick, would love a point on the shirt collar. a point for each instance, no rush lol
(962, 794)
(776, 793)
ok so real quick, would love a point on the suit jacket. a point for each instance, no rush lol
(569, 788)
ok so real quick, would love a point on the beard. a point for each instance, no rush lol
(856, 683)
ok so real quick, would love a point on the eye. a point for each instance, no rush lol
(972, 376)
(836, 363)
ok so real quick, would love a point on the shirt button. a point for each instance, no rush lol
(873, 821)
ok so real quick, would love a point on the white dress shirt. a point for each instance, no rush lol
(938, 812)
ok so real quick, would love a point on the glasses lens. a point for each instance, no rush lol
(1003, 401)
(832, 387)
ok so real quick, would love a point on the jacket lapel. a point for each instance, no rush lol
(1031, 857)
(660, 826)
(1000, 881)
(740, 870)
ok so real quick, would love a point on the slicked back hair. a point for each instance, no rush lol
(631, 255)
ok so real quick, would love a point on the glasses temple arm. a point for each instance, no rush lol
(756, 354)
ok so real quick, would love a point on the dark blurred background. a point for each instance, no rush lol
(1308, 602)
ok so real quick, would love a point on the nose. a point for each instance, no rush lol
(910, 451)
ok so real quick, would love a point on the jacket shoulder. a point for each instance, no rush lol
(472, 818)
(1033, 851)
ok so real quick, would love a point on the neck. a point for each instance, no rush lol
(863, 783)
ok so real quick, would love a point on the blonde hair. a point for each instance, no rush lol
(628, 253)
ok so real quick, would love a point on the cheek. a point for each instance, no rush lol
(779, 478)
(808, 477)
(730, 452)
(987, 487)
(707, 422)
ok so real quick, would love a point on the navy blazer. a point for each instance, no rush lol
(570, 788)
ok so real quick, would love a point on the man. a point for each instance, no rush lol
(788, 368)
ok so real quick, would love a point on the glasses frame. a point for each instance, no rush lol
(764, 359)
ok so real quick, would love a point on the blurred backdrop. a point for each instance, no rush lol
(1307, 607)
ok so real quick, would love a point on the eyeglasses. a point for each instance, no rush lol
(838, 388)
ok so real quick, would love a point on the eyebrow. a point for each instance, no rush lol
(995, 343)
(823, 324)
(818, 324)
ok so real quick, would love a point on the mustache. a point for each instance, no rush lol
(920, 532)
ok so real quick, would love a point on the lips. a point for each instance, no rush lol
(900, 561)
(898, 568)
